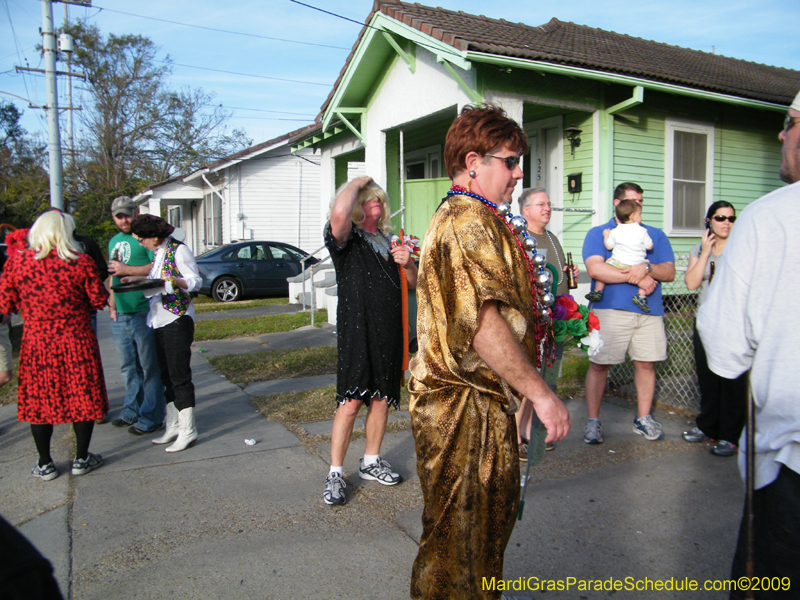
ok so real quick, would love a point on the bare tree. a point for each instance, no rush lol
(135, 129)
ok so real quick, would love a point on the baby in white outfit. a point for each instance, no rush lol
(629, 242)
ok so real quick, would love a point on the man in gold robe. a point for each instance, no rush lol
(478, 330)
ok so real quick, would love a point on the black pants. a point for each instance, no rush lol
(777, 538)
(723, 402)
(174, 350)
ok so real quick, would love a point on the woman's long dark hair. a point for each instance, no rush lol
(716, 206)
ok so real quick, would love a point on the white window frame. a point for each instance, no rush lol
(212, 220)
(175, 216)
(425, 156)
(672, 125)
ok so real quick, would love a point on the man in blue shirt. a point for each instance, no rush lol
(624, 327)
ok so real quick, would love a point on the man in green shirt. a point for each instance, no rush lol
(144, 407)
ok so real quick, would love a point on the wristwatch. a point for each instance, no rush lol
(649, 268)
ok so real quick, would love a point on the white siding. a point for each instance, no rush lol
(279, 199)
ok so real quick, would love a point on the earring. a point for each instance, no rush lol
(473, 174)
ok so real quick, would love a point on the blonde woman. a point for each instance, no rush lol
(55, 288)
(368, 326)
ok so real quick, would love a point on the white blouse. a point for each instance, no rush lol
(184, 260)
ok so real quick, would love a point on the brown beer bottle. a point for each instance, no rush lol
(711, 271)
(570, 272)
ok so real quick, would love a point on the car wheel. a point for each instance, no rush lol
(226, 289)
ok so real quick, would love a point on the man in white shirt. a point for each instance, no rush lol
(744, 328)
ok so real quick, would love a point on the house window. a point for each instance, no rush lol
(174, 216)
(424, 163)
(212, 209)
(689, 171)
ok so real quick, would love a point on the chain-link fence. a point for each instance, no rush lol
(676, 380)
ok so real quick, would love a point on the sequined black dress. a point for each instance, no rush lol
(368, 319)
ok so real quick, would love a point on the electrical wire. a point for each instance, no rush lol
(282, 112)
(39, 116)
(263, 37)
(246, 74)
(435, 49)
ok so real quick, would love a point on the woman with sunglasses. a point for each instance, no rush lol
(722, 401)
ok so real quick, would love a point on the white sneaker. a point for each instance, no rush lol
(649, 428)
(334, 489)
(380, 471)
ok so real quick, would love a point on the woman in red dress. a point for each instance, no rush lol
(55, 288)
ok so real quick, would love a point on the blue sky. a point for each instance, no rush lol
(266, 108)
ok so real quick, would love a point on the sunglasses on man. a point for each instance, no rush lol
(511, 161)
(788, 122)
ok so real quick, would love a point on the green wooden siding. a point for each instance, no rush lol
(747, 153)
(577, 224)
(422, 197)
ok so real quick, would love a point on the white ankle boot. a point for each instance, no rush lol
(187, 432)
(171, 422)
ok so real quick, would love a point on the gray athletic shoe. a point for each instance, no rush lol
(334, 489)
(593, 432)
(82, 466)
(45, 473)
(693, 435)
(724, 448)
(649, 428)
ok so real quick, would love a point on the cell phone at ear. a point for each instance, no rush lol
(708, 224)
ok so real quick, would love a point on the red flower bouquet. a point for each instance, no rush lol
(574, 321)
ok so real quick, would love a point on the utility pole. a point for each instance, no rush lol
(51, 106)
(66, 48)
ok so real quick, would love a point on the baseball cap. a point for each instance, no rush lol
(124, 205)
(796, 103)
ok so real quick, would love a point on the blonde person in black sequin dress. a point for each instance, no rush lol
(368, 325)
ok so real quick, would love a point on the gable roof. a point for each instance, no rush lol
(568, 44)
(245, 154)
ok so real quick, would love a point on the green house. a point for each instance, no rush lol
(599, 108)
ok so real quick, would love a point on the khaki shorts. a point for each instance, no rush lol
(5, 349)
(642, 337)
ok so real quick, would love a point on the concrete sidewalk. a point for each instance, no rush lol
(231, 521)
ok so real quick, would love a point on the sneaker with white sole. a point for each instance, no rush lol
(593, 432)
(334, 489)
(45, 473)
(380, 471)
(82, 466)
(649, 428)
(694, 436)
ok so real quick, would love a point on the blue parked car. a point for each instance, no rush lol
(249, 268)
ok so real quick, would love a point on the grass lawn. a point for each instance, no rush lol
(8, 393)
(574, 366)
(276, 364)
(204, 304)
(308, 406)
(220, 329)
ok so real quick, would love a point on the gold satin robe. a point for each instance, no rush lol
(461, 411)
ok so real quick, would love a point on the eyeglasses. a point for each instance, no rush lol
(723, 218)
(788, 122)
(512, 162)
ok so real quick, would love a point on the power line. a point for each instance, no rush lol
(263, 37)
(281, 112)
(435, 49)
(247, 74)
(39, 117)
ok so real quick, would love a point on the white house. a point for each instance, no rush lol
(264, 192)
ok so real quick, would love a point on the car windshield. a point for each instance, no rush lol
(212, 251)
